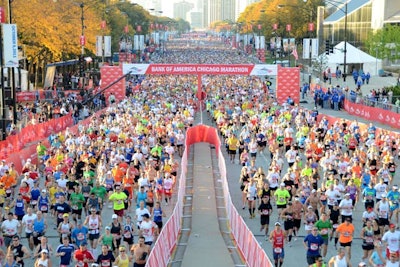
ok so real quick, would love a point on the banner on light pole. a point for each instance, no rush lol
(141, 42)
(257, 42)
(262, 42)
(107, 46)
(288, 44)
(306, 48)
(315, 48)
(99, 46)
(10, 46)
(136, 42)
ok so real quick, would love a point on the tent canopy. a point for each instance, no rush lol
(354, 56)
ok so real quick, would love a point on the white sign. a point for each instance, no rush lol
(10, 46)
(141, 42)
(257, 42)
(107, 46)
(306, 48)
(262, 42)
(136, 42)
(99, 46)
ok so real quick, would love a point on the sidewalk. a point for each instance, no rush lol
(375, 83)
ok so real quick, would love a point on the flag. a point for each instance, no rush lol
(294, 53)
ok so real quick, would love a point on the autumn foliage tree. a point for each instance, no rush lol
(268, 12)
(50, 30)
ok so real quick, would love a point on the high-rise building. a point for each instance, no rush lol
(196, 20)
(181, 10)
(218, 10)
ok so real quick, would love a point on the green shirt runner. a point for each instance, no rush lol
(323, 228)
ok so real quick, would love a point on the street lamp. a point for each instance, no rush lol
(338, 5)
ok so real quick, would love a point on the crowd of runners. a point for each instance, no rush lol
(315, 175)
(127, 160)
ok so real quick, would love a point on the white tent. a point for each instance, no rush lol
(354, 57)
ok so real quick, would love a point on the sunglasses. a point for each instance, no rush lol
(122, 251)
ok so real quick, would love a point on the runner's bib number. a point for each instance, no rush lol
(278, 250)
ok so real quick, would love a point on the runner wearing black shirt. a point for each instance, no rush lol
(265, 210)
(106, 258)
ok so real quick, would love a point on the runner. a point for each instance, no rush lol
(277, 237)
(265, 210)
(345, 231)
(312, 243)
(324, 227)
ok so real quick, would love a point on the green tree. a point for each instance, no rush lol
(385, 43)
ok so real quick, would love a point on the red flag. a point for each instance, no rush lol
(294, 53)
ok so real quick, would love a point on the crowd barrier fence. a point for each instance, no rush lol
(252, 252)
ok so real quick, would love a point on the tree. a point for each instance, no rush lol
(320, 64)
(294, 12)
(385, 43)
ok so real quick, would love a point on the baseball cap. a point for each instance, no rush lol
(384, 195)
(84, 243)
(65, 215)
(309, 207)
(277, 224)
(313, 191)
(44, 191)
(78, 222)
(146, 215)
(114, 216)
(392, 225)
(362, 264)
(347, 194)
(282, 184)
(44, 251)
(108, 228)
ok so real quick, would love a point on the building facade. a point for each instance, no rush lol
(181, 10)
(363, 16)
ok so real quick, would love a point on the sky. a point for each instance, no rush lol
(167, 5)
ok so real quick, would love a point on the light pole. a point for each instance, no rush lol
(338, 5)
(82, 43)
(275, 32)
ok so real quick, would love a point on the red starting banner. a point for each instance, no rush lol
(195, 69)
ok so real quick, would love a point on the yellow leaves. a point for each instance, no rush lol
(56, 26)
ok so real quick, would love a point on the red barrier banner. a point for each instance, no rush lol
(18, 157)
(26, 96)
(373, 114)
(287, 84)
(30, 96)
(32, 133)
(110, 74)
